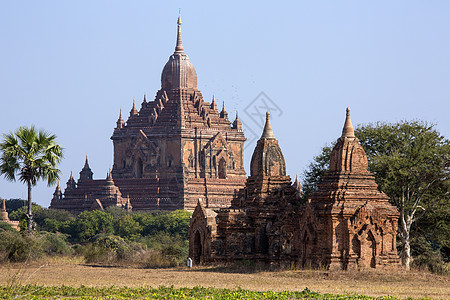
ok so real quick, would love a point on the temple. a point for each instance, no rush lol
(4, 217)
(346, 224)
(171, 152)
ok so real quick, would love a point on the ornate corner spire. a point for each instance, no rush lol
(213, 103)
(223, 113)
(145, 99)
(133, 111)
(71, 175)
(109, 176)
(268, 132)
(120, 122)
(179, 47)
(348, 130)
(237, 124)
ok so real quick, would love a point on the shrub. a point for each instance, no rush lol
(174, 247)
(427, 255)
(15, 247)
(55, 244)
(108, 249)
(6, 227)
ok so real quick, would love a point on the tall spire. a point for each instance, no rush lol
(268, 132)
(4, 205)
(348, 130)
(179, 47)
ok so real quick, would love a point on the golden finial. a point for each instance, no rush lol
(179, 16)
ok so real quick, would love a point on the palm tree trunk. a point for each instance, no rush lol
(29, 214)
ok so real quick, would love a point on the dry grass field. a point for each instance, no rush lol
(74, 273)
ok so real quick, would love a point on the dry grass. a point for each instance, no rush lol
(73, 272)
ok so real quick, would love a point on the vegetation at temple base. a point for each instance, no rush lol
(32, 155)
(162, 292)
(110, 237)
(411, 164)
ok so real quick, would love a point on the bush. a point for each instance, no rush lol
(428, 256)
(6, 227)
(15, 247)
(55, 244)
(174, 248)
(108, 249)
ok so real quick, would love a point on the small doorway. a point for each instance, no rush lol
(197, 248)
(139, 168)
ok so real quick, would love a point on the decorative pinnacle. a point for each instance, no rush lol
(348, 130)
(179, 47)
(86, 164)
(133, 111)
(4, 205)
(268, 132)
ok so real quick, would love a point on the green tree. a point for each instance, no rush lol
(315, 170)
(90, 223)
(411, 164)
(127, 228)
(32, 155)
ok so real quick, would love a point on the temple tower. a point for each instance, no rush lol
(173, 150)
(355, 222)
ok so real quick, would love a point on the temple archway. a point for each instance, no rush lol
(139, 168)
(197, 247)
(222, 168)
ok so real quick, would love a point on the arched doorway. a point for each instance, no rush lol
(139, 168)
(222, 168)
(307, 249)
(368, 251)
(197, 247)
(356, 248)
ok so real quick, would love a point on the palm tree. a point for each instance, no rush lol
(33, 155)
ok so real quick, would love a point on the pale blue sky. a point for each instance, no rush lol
(68, 67)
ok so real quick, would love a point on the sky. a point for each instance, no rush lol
(69, 66)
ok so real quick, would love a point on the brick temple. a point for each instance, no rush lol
(346, 224)
(171, 152)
